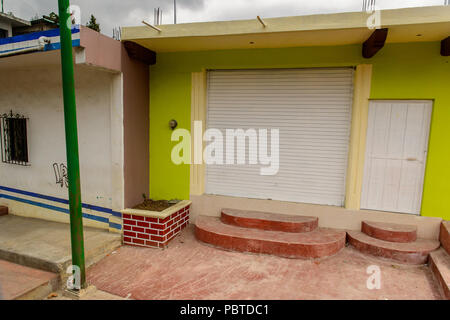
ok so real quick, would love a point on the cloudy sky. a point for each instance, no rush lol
(115, 13)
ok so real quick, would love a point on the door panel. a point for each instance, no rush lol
(397, 142)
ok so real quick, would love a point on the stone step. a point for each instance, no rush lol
(3, 211)
(269, 221)
(22, 283)
(440, 266)
(45, 245)
(316, 244)
(445, 235)
(390, 231)
(408, 253)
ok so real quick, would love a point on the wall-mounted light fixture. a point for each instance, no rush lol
(173, 124)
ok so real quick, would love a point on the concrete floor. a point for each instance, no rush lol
(46, 245)
(17, 281)
(191, 270)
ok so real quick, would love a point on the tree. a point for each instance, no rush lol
(53, 16)
(92, 24)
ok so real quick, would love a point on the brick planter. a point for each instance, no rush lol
(154, 229)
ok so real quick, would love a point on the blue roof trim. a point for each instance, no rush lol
(48, 47)
(57, 46)
(36, 35)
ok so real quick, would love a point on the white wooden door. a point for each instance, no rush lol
(312, 110)
(396, 153)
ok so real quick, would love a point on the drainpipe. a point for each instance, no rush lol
(73, 165)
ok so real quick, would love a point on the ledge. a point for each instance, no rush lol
(155, 214)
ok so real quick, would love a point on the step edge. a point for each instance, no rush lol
(444, 287)
(349, 234)
(340, 245)
(41, 291)
(373, 231)
(269, 240)
(269, 213)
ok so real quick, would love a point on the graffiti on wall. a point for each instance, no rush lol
(61, 174)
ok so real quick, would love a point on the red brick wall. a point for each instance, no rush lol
(154, 232)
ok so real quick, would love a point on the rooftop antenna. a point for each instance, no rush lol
(157, 16)
(369, 5)
(174, 11)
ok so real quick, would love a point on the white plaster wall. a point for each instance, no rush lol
(6, 26)
(37, 94)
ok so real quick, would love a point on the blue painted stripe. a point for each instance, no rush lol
(36, 35)
(17, 49)
(54, 208)
(59, 200)
(57, 46)
(115, 226)
(116, 214)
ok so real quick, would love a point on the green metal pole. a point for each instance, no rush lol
(70, 119)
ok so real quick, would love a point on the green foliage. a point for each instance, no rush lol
(92, 24)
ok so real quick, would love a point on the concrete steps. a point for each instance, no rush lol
(46, 246)
(23, 283)
(256, 234)
(269, 221)
(439, 263)
(390, 231)
(392, 241)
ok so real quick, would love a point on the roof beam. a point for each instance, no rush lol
(445, 47)
(138, 52)
(375, 42)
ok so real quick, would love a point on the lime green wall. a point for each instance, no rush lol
(403, 71)
(418, 71)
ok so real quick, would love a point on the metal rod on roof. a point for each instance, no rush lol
(174, 11)
(262, 21)
(3, 11)
(151, 26)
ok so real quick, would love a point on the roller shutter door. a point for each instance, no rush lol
(312, 110)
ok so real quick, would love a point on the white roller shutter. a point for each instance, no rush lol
(312, 110)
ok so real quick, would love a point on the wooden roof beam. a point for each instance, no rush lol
(138, 52)
(375, 42)
(445, 47)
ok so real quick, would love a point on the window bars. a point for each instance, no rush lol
(13, 139)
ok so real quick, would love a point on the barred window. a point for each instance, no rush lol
(14, 145)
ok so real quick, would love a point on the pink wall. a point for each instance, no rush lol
(100, 50)
(136, 95)
(104, 52)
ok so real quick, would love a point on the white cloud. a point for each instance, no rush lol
(115, 13)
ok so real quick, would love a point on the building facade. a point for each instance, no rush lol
(360, 136)
(110, 89)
